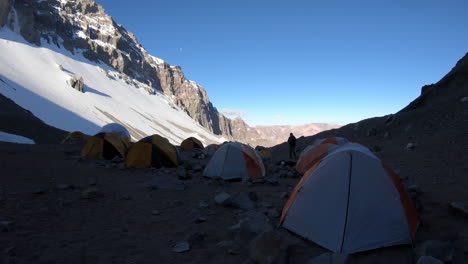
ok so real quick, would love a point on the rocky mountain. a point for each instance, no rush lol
(280, 134)
(83, 26)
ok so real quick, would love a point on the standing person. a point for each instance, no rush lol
(292, 145)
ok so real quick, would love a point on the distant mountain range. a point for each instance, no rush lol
(280, 134)
(82, 32)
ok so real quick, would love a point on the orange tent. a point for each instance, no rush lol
(313, 154)
(350, 202)
(235, 161)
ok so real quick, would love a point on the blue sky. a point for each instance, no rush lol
(297, 62)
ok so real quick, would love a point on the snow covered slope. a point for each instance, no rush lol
(36, 78)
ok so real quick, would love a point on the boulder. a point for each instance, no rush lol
(459, 209)
(181, 247)
(250, 225)
(223, 199)
(242, 201)
(442, 250)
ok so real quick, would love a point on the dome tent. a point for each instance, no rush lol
(75, 136)
(331, 140)
(233, 161)
(191, 143)
(105, 145)
(116, 129)
(351, 202)
(313, 154)
(153, 151)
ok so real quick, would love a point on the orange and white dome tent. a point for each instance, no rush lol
(331, 140)
(351, 202)
(313, 154)
(234, 160)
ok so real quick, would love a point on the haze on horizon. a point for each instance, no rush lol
(298, 62)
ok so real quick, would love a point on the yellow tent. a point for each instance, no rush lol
(75, 136)
(152, 151)
(105, 145)
(191, 143)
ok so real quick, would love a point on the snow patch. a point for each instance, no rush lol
(6, 137)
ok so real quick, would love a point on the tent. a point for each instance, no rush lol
(74, 137)
(235, 161)
(153, 151)
(105, 145)
(331, 140)
(351, 202)
(191, 143)
(210, 150)
(116, 129)
(313, 154)
(266, 153)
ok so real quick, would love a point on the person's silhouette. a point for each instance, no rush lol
(292, 145)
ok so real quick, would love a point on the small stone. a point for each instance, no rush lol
(265, 204)
(272, 213)
(155, 212)
(196, 237)
(386, 134)
(284, 195)
(90, 193)
(181, 247)
(253, 196)
(121, 166)
(92, 182)
(291, 174)
(272, 181)
(197, 168)
(125, 197)
(200, 219)
(414, 190)
(9, 250)
(62, 186)
(6, 225)
(459, 209)
(428, 260)
(182, 173)
(260, 180)
(39, 190)
(230, 247)
(464, 99)
(243, 201)
(203, 204)
(411, 145)
(223, 199)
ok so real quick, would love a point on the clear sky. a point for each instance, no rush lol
(303, 61)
